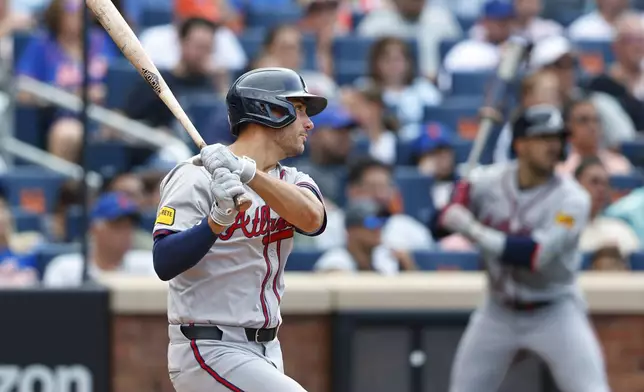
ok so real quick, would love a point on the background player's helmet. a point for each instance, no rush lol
(253, 95)
(539, 120)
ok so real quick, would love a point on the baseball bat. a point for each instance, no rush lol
(116, 26)
(507, 71)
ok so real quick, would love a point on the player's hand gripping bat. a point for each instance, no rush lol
(116, 26)
(513, 55)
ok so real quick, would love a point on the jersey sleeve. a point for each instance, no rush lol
(185, 199)
(305, 181)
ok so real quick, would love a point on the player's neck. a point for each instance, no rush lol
(262, 151)
(528, 179)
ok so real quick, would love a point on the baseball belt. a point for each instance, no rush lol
(211, 332)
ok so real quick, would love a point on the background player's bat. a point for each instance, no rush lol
(116, 26)
(513, 56)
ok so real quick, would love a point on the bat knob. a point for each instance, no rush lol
(242, 203)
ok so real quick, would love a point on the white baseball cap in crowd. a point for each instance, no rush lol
(548, 50)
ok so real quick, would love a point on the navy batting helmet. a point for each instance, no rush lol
(253, 95)
(540, 120)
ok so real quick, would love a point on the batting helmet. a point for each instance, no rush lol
(253, 95)
(539, 120)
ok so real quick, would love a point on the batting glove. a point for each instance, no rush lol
(224, 187)
(458, 219)
(218, 156)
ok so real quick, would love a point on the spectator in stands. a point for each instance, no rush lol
(630, 209)
(529, 24)
(598, 24)
(609, 259)
(392, 68)
(625, 79)
(558, 55)
(55, 224)
(605, 236)
(17, 268)
(14, 18)
(364, 250)
(130, 185)
(54, 58)
(582, 121)
(329, 148)
(370, 179)
(164, 43)
(540, 87)
(414, 19)
(113, 221)
(483, 53)
(367, 106)
(284, 47)
(321, 19)
(191, 77)
(434, 156)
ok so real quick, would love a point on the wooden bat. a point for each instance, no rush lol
(513, 56)
(116, 26)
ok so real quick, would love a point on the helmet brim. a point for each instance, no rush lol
(315, 104)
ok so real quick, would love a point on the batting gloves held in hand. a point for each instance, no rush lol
(458, 219)
(224, 187)
(218, 156)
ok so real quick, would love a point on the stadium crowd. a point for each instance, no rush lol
(405, 79)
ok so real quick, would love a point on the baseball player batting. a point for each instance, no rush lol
(526, 220)
(225, 269)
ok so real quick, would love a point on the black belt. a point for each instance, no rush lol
(527, 306)
(211, 332)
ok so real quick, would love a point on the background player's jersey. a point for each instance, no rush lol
(240, 281)
(554, 213)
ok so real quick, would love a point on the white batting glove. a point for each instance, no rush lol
(224, 187)
(458, 219)
(218, 156)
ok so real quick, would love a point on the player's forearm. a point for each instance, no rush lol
(177, 252)
(296, 204)
(516, 251)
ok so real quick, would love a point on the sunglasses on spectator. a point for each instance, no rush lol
(597, 180)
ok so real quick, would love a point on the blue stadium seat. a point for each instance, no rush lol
(466, 23)
(626, 183)
(347, 72)
(454, 113)
(270, 18)
(585, 261)
(33, 188)
(405, 152)
(634, 151)
(414, 188)
(107, 158)
(28, 125)
(302, 260)
(26, 221)
(48, 252)
(154, 16)
(440, 260)
(470, 83)
(121, 76)
(637, 261)
(596, 47)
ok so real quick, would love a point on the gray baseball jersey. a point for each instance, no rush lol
(240, 281)
(558, 331)
(554, 214)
